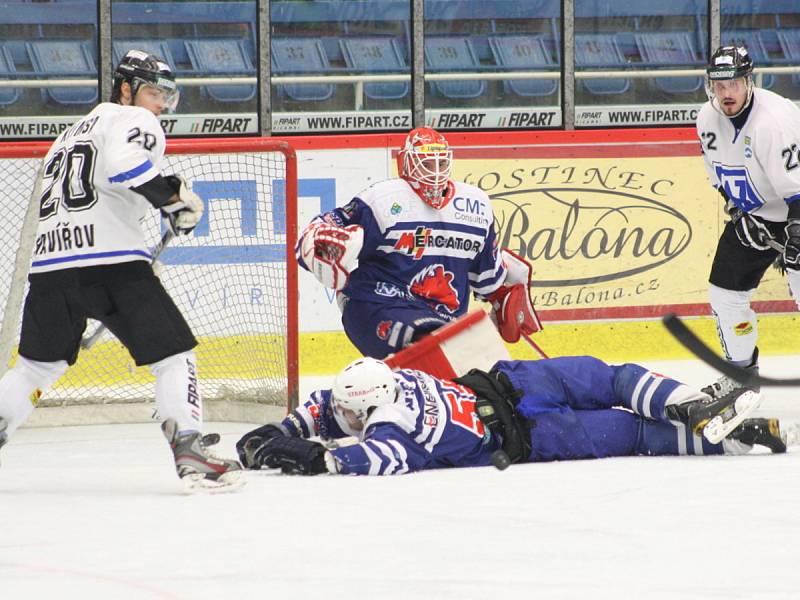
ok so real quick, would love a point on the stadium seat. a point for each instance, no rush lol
(751, 40)
(296, 56)
(524, 53)
(448, 54)
(8, 95)
(377, 55)
(670, 49)
(789, 40)
(222, 56)
(66, 59)
(593, 50)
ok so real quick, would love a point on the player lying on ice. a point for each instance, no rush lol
(556, 409)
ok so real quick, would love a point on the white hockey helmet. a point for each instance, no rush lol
(425, 162)
(362, 385)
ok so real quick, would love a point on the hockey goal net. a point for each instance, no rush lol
(234, 279)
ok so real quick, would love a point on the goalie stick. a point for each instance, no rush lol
(89, 341)
(697, 347)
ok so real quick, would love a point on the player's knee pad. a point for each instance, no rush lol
(39, 374)
(729, 302)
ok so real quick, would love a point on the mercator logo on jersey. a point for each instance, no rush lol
(434, 283)
(414, 244)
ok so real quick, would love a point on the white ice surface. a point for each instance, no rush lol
(96, 512)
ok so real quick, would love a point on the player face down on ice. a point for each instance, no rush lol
(377, 422)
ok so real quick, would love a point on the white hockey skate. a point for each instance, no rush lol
(198, 468)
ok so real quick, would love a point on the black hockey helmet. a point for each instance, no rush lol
(729, 62)
(140, 68)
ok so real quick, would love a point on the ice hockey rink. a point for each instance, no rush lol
(97, 512)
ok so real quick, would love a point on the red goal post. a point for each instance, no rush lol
(235, 279)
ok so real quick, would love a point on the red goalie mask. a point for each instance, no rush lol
(424, 162)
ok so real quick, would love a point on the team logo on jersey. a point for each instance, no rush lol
(414, 243)
(383, 329)
(737, 184)
(743, 328)
(388, 290)
(434, 283)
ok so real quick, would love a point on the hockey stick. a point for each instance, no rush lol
(697, 347)
(155, 252)
(534, 345)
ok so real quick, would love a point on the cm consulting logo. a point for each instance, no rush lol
(594, 224)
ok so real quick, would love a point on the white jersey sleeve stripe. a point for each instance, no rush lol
(134, 172)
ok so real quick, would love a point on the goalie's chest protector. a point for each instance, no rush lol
(758, 165)
(88, 214)
(416, 250)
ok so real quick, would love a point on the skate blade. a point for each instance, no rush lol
(718, 429)
(229, 482)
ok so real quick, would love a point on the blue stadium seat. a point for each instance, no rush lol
(8, 95)
(670, 49)
(524, 53)
(750, 39)
(593, 50)
(297, 56)
(222, 56)
(65, 59)
(789, 40)
(377, 55)
(448, 54)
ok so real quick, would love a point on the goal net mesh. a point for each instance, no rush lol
(229, 278)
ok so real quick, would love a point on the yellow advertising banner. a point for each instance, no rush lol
(611, 237)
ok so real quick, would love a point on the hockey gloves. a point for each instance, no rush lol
(791, 251)
(331, 252)
(184, 215)
(294, 456)
(249, 444)
(512, 308)
(751, 231)
(496, 408)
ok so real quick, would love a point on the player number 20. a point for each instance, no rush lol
(68, 176)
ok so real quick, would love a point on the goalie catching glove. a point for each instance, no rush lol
(512, 308)
(331, 252)
(184, 215)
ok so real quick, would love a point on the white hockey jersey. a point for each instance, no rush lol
(88, 215)
(758, 165)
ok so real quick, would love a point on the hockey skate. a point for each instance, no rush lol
(725, 385)
(715, 418)
(196, 466)
(771, 433)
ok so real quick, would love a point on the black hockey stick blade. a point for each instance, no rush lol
(697, 347)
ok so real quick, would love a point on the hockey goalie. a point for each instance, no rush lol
(406, 254)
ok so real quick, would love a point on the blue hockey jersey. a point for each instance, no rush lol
(431, 424)
(412, 251)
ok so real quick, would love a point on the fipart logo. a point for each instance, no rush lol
(744, 328)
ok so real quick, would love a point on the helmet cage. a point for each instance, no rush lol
(425, 162)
